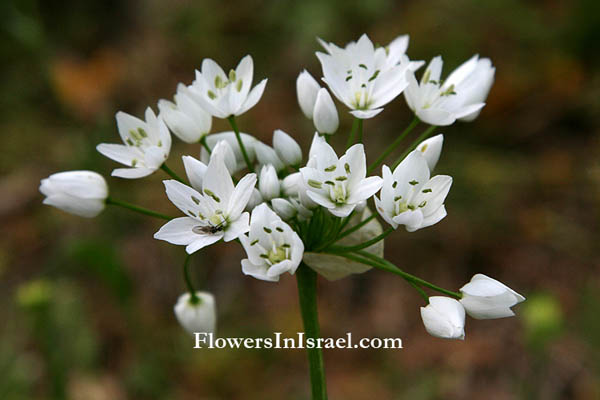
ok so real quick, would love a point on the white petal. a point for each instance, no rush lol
(132, 173)
(253, 98)
(178, 231)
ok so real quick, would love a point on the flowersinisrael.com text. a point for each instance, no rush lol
(204, 340)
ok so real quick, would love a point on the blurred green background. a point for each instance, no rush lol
(86, 305)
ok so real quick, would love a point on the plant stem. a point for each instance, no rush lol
(414, 145)
(194, 299)
(368, 243)
(360, 130)
(141, 210)
(378, 262)
(171, 173)
(352, 132)
(307, 294)
(205, 145)
(393, 145)
(231, 120)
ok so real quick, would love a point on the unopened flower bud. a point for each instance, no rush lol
(196, 317)
(325, 116)
(255, 199)
(268, 183)
(486, 298)
(306, 89)
(81, 193)
(444, 317)
(431, 150)
(284, 208)
(287, 148)
(266, 155)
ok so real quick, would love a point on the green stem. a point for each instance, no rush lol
(231, 120)
(368, 243)
(414, 145)
(171, 173)
(141, 210)
(393, 145)
(205, 145)
(347, 232)
(360, 130)
(367, 258)
(307, 294)
(384, 264)
(352, 132)
(194, 299)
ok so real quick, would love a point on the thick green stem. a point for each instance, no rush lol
(231, 120)
(307, 294)
(141, 210)
(194, 299)
(393, 145)
(171, 173)
(414, 144)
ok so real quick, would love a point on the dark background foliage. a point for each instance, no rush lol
(86, 305)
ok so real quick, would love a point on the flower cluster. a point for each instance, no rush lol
(290, 212)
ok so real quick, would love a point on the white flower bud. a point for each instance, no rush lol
(199, 317)
(444, 317)
(81, 193)
(306, 89)
(186, 119)
(486, 298)
(228, 155)
(284, 208)
(266, 155)
(291, 184)
(325, 116)
(255, 199)
(287, 148)
(268, 184)
(431, 150)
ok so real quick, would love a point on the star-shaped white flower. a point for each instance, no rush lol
(225, 95)
(363, 77)
(186, 119)
(460, 96)
(338, 184)
(272, 246)
(409, 197)
(213, 205)
(146, 145)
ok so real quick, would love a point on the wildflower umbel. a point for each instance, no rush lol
(300, 219)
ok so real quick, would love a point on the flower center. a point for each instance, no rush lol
(277, 255)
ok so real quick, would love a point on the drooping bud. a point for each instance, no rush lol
(81, 193)
(444, 317)
(196, 317)
(486, 298)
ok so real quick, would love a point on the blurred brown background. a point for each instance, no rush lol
(86, 305)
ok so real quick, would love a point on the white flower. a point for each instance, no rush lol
(444, 317)
(272, 246)
(147, 145)
(306, 89)
(214, 207)
(460, 96)
(287, 148)
(409, 197)
(186, 119)
(362, 77)
(431, 150)
(268, 184)
(284, 208)
(325, 116)
(338, 184)
(225, 95)
(266, 155)
(81, 193)
(229, 137)
(486, 298)
(199, 317)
